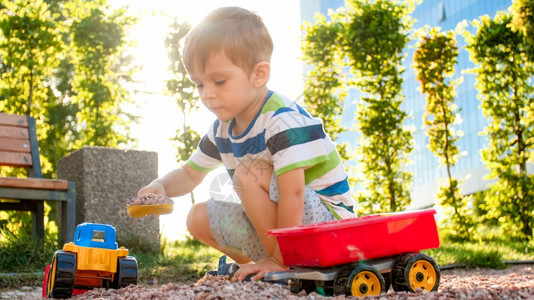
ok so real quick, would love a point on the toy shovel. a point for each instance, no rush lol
(152, 204)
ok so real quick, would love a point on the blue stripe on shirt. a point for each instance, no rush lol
(304, 112)
(209, 148)
(295, 136)
(282, 110)
(338, 188)
(349, 208)
(252, 145)
(289, 109)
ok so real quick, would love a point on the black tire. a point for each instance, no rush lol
(359, 281)
(126, 272)
(298, 285)
(387, 281)
(60, 283)
(414, 271)
(340, 281)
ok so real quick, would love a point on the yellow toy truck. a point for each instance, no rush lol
(92, 260)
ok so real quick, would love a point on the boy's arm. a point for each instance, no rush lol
(290, 209)
(178, 182)
(291, 186)
(292, 189)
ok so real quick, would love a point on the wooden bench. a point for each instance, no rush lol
(19, 148)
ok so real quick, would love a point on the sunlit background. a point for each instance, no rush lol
(159, 115)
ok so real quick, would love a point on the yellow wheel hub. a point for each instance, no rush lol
(422, 275)
(51, 277)
(365, 283)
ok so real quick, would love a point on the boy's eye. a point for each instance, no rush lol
(220, 82)
(200, 86)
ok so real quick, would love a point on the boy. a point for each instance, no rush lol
(286, 171)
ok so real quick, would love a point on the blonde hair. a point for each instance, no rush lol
(239, 33)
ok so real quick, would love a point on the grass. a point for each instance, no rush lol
(182, 261)
(23, 260)
(489, 251)
(187, 261)
(20, 253)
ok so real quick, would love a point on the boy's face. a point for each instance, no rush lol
(224, 88)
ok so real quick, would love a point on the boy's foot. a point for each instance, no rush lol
(224, 268)
(229, 269)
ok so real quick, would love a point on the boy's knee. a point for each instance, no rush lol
(197, 220)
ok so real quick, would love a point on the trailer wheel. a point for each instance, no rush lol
(60, 279)
(126, 272)
(297, 285)
(358, 281)
(414, 271)
(387, 281)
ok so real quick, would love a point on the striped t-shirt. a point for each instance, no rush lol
(283, 134)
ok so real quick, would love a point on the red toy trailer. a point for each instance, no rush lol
(361, 256)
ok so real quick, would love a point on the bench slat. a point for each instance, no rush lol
(15, 145)
(20, 205)
(31, 195)
(15, 159)
(14, 132)
(34, 183)
(13, 120)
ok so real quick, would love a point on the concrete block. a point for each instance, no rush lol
(106, 179)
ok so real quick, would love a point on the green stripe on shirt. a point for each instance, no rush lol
(321, 165)
(273, 104)
(331, 162)
(332, 211)
(302, 164)
(199, 168)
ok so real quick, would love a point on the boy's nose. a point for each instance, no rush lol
(208, 93)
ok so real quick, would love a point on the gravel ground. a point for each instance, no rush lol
(515, 282)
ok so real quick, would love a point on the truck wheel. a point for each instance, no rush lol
(298, 285)
(387, 281)
(414, 271)
(60, 279)
(361, 281)
(126, 272)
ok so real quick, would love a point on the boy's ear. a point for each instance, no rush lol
(261, 74)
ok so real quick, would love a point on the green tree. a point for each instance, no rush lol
(182, 90)
(29, 50)
(97, 41)
(504, 81)
(325, 83)
(62, 62)
(523, 21)
(374, 38)
(434, 60)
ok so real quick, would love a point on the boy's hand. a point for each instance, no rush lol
(260, 268)
(154, 187)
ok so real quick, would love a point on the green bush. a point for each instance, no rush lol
(22, 253)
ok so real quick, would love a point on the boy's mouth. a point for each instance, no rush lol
(216, 108)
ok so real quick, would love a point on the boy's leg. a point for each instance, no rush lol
(225, 225)
(252, 181)
(199, 227)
